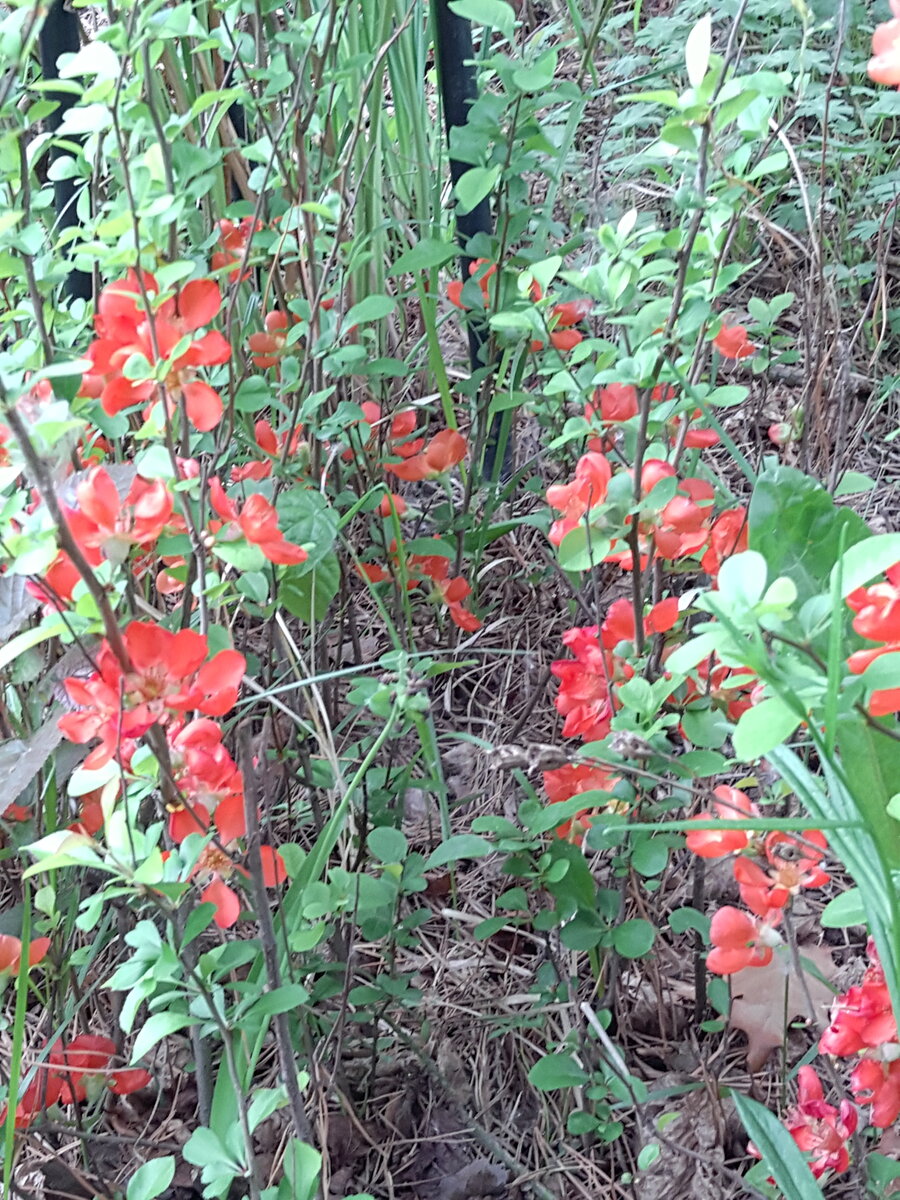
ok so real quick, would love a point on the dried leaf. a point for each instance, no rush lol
(766, 999)
(20, 761)
(16, 606)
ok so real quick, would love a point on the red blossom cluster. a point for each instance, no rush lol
(11, 951)
(769, 870)
(819, 1129)
(133, 321)
(562, 317)
(75, 1072)
(683, 526)
(433, 570)
(877, 619)
(863, 1025)
(586, 694)
(617, 403)
(168, 674)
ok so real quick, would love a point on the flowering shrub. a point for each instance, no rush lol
(289, 638)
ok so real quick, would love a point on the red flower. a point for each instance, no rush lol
(884, 66)
(862, 1019)
(443, 452)
(570, 312)
(126, 330)
(740, 941)
(205, 773)
(877, 608)
(792, 864)
(453, 591)
(819, 1129)
(586, 491)
(714, 841)
(732, 342)
(618, 625)
(55, 587)
(168, 675)
(11, 953)
(268, 347)
(217, 866)
(682, 526)
(584, 684)
(392, 503)
(572, 780)
(616, 402)
(729, 535)
(878, 1083)
(42, 1093)
(103, 522)
(257, 521)
(235, 238)
(85, 1062)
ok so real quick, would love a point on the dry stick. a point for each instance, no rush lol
(286, 1061)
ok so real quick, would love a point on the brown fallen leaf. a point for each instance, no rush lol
(766, 999)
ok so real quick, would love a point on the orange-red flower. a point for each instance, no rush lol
(715, 842)
(586, 491)
(11, 953)
(732, 341)
(740, 941)
(585, 681)
(257, 521)
(216, 866)
(103, 522)
(235, 236)
(169, 675)
(443, 452)
(571, 780)
(127, 330)
(820, 1130)
(884, 66)
(267, 347)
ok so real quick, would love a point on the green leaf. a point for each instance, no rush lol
(306, 518)
(685, 918)
(871, 762)
(370, 308)
(554, 1072)
(853, 482)
(461, 845)
(203, 1148)
(155, 1028)
(151, 1179)
(697, 50)
(287, 998)
(843, 910)
(425, 255)
(861, 563)
(762, 728)
(582, 549)
(473, 185)
(796, 526)
(308, 594)
(495, 14)
(779, 1151)
(388, 845)
(634, 938)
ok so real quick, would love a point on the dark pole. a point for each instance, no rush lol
(456, 74)
(59, 35)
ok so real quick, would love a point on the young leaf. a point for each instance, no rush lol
(696, 50)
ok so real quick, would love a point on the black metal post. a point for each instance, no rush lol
(59, 35)
(456, 75)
